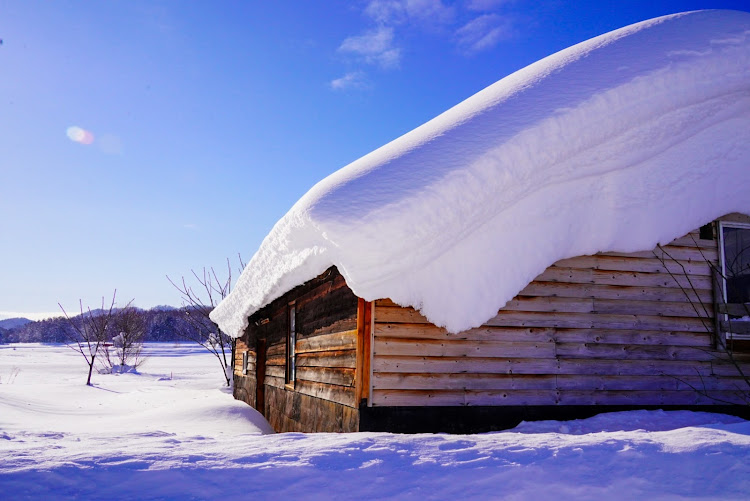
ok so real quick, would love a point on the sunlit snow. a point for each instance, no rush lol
(171, 432)
(621, 142)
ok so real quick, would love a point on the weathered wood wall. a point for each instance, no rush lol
(609, 329)
(244, 384)
(323, 396)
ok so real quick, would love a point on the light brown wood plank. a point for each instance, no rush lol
(562, 320)
(276, 382)
(630, 279)
(333, 393)
(459, 349)
(399, 381)
(637, 264)
(553, 366)
(439, 382)
(328, 375)
(276, 371)
(630, 352)
(276, 349)
(692, 254)
(614, 306)
(429, 331)
(597, 321)
(692, 240)
(545, 289)
(276, 360)
(336, 341)
(344, 358)
(633, 337)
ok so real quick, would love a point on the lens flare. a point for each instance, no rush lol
(79, 135)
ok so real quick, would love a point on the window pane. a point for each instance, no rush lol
(737, 264)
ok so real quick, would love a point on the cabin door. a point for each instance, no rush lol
(260, 376)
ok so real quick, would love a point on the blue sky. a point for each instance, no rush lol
(144, 139)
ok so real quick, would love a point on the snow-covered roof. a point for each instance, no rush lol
(621, 142)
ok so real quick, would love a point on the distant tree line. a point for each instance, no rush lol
(160, 325)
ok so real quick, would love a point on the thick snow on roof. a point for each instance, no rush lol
(621, 142)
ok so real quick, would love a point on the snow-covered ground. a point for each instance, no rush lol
(171, 432)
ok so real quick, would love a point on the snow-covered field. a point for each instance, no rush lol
(171, 432)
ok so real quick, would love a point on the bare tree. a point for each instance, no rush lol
(198, 302)
(710, 318)
(90, 331)
(126, 336)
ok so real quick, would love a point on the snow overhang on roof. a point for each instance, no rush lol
(621, 142)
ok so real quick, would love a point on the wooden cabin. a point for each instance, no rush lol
(612, 331)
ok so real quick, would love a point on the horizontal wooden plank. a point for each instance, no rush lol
(630, 352)
(328, 342)
(339, 376)
(700, 340)
(276, 360)
(599, 321)
(615, 306)
(439, 382)
(408, 381)
(558, 289)
(276, 371)
(630, 279)
(542, 397)
(460, 348)
(638, 264)
(697, 254)
(416, 332)
(332, 393)
(563, 320)
(343, 358)
(442, 365)
(276, 349)
(692, 240)
(276, 382)
(430, 331)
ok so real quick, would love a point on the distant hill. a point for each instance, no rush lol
(12, 323)
(164, 307)
(162, 324)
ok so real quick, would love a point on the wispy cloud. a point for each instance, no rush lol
(483, 32)
(352, 80)
(394, 12)
(485, 5)
(473, 26)
(373, 47)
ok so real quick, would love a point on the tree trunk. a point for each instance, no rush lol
(91, 368)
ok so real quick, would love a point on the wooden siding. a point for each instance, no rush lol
(609, 329)
(323, 396)
(244, 384)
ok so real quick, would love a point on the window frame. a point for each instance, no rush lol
(722, 264)
(290, 372)
(245, 357)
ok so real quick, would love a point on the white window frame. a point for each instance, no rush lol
(244, 362)
(722, 263)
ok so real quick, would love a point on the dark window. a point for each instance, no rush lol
(244, 362)
(736, 262)
(291, 340)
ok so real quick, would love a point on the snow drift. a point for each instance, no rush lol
(621, 142)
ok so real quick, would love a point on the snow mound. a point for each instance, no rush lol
(621, 142)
